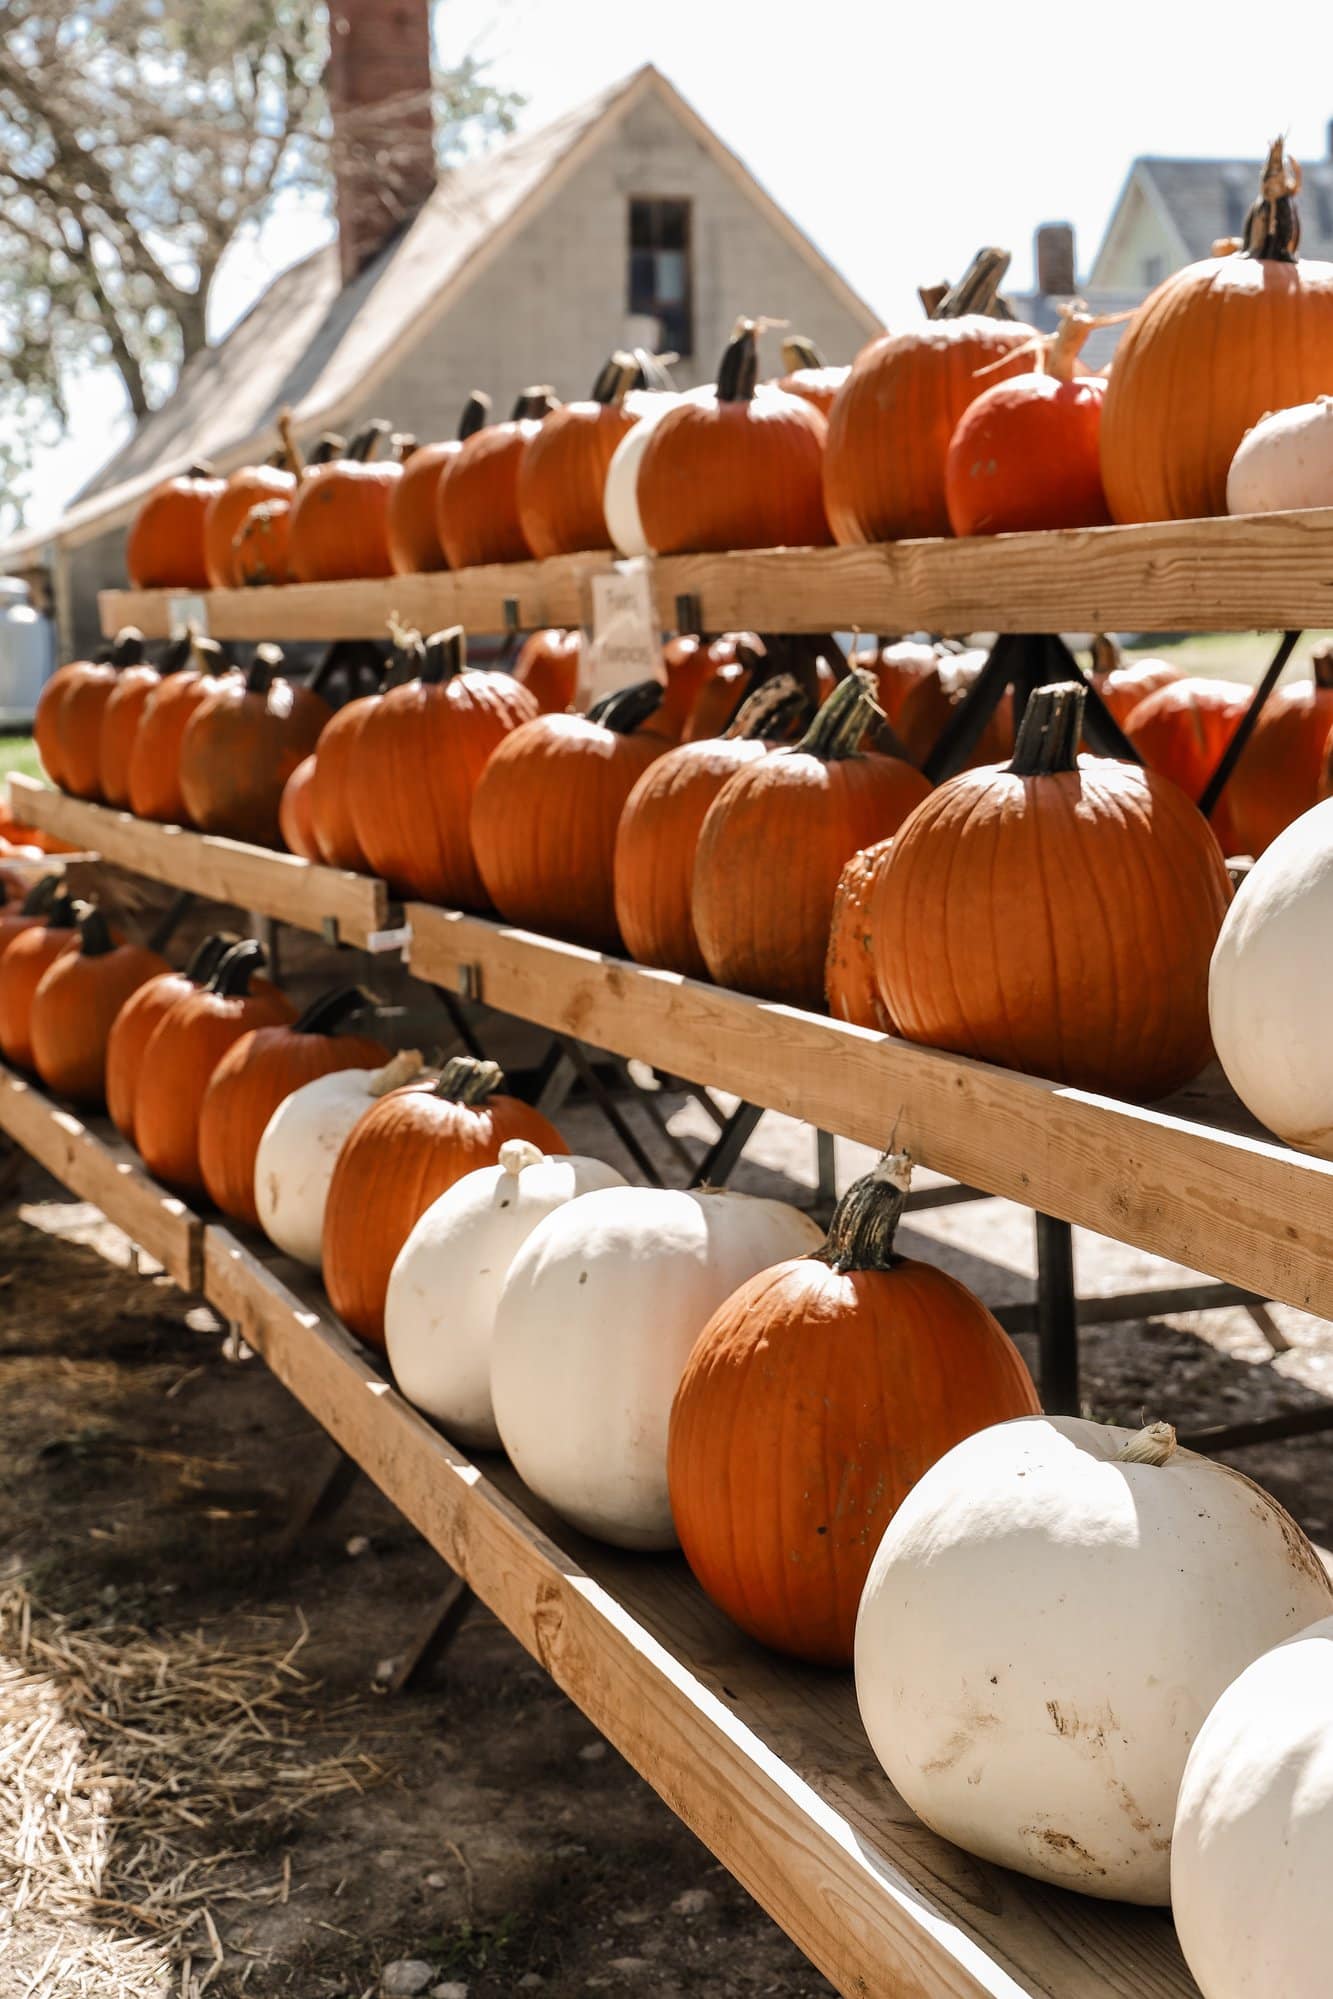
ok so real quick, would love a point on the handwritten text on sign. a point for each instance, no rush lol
(626, 643)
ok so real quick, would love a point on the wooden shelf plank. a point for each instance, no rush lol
(1233, 1206)
(86, 1155)
(765, 1761)
(280, 885)
(1254, 572)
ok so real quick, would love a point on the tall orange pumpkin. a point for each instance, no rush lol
(76, 719)
(240, 747)
(25, 960)
(124, 711)
(548, 666)
(562, 473)
(415, 765)
(983, 936)
(476, 502)
(414, 533)
(660, 825)
(153, 778)
(403, 1153)
(813, 1401)
(850, 986)
(259, 1072)
(338, 527)
(1208, 353)
(124, 650)
(776, 839)
(134, 1025)
(889, 429)
(739, 469)
(1281, 767)
(545, 814)
(807, 374)
(76, 1002)
(331, 815)
(165, 549)
(1183, 730)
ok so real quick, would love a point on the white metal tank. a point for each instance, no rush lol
(27, 653)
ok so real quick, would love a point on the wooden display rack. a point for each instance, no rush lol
(765, 1761)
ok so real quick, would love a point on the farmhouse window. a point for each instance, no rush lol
(659, 269)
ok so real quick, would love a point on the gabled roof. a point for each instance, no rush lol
(1201, 200)
(319, 350)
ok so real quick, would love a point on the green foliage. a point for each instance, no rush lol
(19, 753)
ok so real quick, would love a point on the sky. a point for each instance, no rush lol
(899, 137)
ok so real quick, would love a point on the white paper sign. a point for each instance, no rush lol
(182, 612)
(626, 644)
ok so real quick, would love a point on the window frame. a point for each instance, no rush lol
(685, 203)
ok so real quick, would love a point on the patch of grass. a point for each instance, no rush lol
(19, 753)
(1238, 656)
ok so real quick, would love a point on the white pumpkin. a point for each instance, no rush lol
(595, 1324)
(1269, 982)
(1252, 1852)
(1286, 460)
(300, 1147)
(439, 1314)
(620, 495)
(1051, 1613)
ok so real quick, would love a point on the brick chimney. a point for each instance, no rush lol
(1054, 255)
(378, 82)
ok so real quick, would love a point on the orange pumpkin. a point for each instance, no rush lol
(250, 487)
(75, 1003)
(813, 1401)
(26, 957)
(548, 666)
(331, 814)
(764, 927)
(660, 825)
(181, 1054)
(808, 374)
(134, 1025)
(123, 713)
(240, 747)
(982, 936)
(155, 754)
(1123, 687)
(259, 1072)
(29, 912)
(414, 534)
(403, 1153)
(545, 814)
(415, 766)
(1282, 766)
(1208, 353)
(19, 834)
(739, 469)
(296, 821)
(260, 550)
(897, 668)
(165, 549)
(850, 987)
(929, 704)
(889, 429)
(72, 724)
(1183, 730)
(562, 473)
(476, 502)
(338, 527)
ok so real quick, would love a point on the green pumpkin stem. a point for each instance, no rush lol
(1273, 225)
(463, 1080)
(332, 1011)
(773, 710)
(1048, 736)
(236, 968)
(865, 1221)
(476, 415)
(800, 352)
(839, 725)
(738, 370)
(95, 939)
(207, 956)
(978, 290)
(629, 707)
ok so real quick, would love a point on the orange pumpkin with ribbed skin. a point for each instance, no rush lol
(741, 469)
(774, 844)
(898, 668)
(562, 473)
(76, 1002)
(46, 717)
(850, 986)
(808, 374)
(259, 552)
(1282, 766)
(719, 701)
(252, 486)
(928, 706)
(165, 549)
(548, 666)
(296, 821)
(476, 502)
(26, 958)
(404, 1152)
(813, 1401)
(889, 429)
(982, 938)
(239, 749)
(338, 527)
(133, 1027)
(691, 665)
(256, 1075)
(414, 533)
(545, 814)
(659, 828)
(123, 713)
(331, 810)
(182, 1052)
(30, 912)
(1213, 349)
(1123, 687)
(415, 765)
(1182, 731)
(74, 721)
(155, 755)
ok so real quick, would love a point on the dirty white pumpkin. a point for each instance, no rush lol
(595, 1323)
(1286, 460)
(1051, 1613)
(439, 1314)
(1252, 1854)
(300, 1147)
(1268, 985)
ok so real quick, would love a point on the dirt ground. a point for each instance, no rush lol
(240, 1810)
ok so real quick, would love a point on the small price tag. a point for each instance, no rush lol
(182, 612)
(625, 645)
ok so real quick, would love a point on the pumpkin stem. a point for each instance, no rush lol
(127, 648)
(330, 446)
(1049, 735)
(333, 1010)
(40, 896)
(738, 371)
(535, 403)
(207, 956)
(291, 449)
(367, 441)
(444, 655)
(464, 1080)
(1106, 653)
(654, 369)
(263, 668)
(236, 967)
(629, 707)
(95, 940)
(1321, 663)
(516, 1153)
(1273, 225)
(617, 377)
(476, 415)
(1063, 348)
(64, 912)
(401, 1069)
(403, 444)
(200, 468)
(800, 352)
(865, 1221)
(1151, 1446)
(839, 725)
(772, 710)
(978, 290)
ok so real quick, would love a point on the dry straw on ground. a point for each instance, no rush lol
(145, 1786)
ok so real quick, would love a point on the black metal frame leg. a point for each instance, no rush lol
(1057, 1317)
